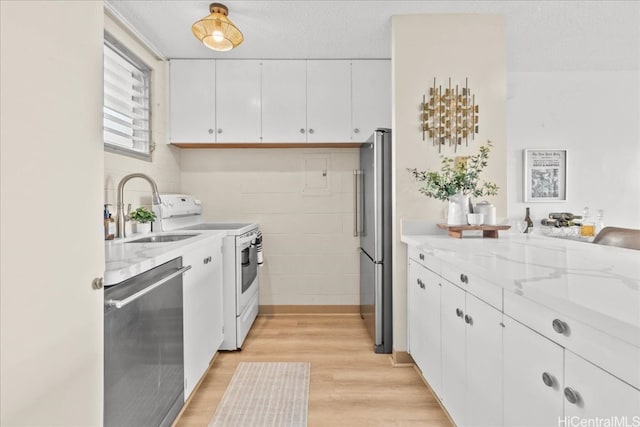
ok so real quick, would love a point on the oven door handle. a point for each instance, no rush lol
(131, 298)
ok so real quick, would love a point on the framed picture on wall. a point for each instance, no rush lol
(545, 175)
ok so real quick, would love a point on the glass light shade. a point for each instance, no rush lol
(216, 31)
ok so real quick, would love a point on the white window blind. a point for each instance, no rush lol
(126, 113)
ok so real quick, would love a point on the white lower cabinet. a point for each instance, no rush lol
(202, 309)
(471, 358)
(591, 393)
(424, 323)
(533, 375)
(545, 384)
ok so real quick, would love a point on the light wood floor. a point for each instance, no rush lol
(350, 385)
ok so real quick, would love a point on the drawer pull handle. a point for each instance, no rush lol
(421, 257)
(464, 278)
(548, 379)
(420, 283)
(571, 395)
(560, 327)
(468, 319)
(458, 312)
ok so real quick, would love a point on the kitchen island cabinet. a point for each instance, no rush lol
(424, 322)
(568, 335)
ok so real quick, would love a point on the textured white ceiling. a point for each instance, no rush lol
(542, 35)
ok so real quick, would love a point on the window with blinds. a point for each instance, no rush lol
(126, 114)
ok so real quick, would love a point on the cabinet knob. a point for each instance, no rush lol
(464, 278)
(468, 319)
(560, 327)
(210, 131)
(97, 283)
(310, 130)
(302, 130)
(459, 312)
(548, 379)
(219, 130)
(356, 130)
(421, 257)
(571, 395)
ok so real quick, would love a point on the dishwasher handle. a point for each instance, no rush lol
(122, 303)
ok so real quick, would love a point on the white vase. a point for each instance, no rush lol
(141, 227)
(458, 209)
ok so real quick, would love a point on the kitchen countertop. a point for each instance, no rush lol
(595, 284)
(125, 260)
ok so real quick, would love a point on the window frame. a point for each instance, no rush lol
(120, 49)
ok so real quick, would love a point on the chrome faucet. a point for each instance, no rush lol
(120, 232)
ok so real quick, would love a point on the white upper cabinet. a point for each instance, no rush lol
(371, 97)
(284, 101)
(238, 101)
(192, 101)
(276, 101)
(328, 101)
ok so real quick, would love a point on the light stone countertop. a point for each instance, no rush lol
(595, 284)
(124, 260)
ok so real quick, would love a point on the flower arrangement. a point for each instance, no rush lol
(457, 178)
(142, 215)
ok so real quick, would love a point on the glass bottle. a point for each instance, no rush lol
(527, 219)
(587, 229)
(599, 221)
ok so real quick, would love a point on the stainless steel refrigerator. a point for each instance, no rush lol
(372, 223)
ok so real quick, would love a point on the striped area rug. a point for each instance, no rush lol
(265, 394)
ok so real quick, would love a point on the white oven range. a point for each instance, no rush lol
(240, 264)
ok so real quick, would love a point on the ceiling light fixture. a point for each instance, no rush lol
(216, 31)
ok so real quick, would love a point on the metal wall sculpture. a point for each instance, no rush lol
(449, 115)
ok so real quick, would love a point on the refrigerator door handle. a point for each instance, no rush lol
(356, 202)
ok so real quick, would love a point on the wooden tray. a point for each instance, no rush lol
(487, 230)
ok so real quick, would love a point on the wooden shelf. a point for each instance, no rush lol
(490, 231)
(264, 145)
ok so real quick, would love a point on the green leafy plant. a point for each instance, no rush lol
(142, 215)
(452, 178)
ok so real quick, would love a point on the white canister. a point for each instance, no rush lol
(488, 210)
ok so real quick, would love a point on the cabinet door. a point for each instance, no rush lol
(530, 399)
(484, 363)
(599, 394)
(371, 97)
(238, 101)
(199, 295)
(192, 101)
(217, 305)
(284, 101)
(415, 314)
(430, 309)
(453, 351)
(328, 100)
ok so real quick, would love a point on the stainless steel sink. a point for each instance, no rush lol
(162, 238)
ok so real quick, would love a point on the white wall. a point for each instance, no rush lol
(164, 167)
(442, 46)
(311, 256)
(595, 115)
(51, 337)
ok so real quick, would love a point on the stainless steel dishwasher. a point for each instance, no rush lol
(143, 348)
